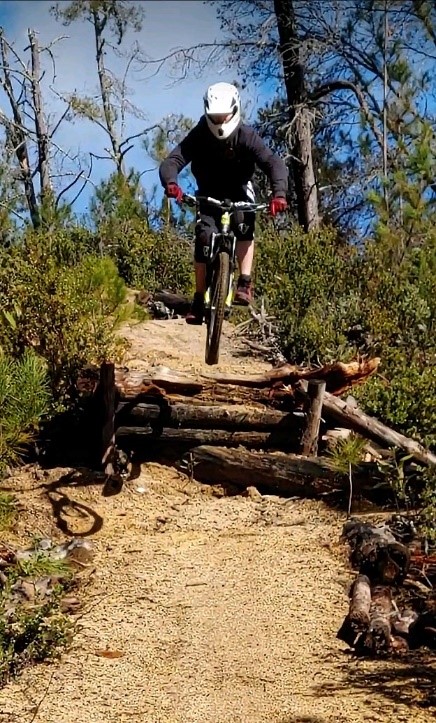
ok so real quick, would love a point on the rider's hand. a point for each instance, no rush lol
(173, 190)
(277, 205)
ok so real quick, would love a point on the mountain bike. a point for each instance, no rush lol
(220, 268)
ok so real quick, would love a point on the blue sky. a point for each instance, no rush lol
(167, 25)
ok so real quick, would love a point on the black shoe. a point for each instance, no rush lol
(196, 313)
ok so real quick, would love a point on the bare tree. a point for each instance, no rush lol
(110, 21)
(29, 135)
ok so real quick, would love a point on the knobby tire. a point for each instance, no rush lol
(220, 284)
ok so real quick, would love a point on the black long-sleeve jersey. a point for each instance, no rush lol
(222, 169)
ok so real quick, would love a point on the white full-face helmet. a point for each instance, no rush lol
(222, 109)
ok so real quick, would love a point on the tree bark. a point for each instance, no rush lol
(309, 442)
(279, 473)
(299, 116)
(378, 636)
(107, 392)
(357, 620)
(338, 377)
(375, 552)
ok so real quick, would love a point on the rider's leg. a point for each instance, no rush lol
(200, 278)
(204, 229)
(245, 255)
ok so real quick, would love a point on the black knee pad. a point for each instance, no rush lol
(203, 238)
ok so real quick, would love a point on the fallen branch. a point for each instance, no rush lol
(369, 427)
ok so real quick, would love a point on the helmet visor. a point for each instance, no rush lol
(219, 118)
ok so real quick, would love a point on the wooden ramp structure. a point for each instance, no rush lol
(268, 429)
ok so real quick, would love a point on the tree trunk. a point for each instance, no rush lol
(105, 83)
(40, 123)
(337, 376)
(299, 116)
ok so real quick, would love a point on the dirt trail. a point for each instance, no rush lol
(225, 609)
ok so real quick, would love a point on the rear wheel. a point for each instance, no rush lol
(219, 289)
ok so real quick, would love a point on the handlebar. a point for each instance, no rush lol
(224, 205)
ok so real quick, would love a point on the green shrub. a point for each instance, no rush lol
(304, 279)
(66, 312)
(403, 395)
(30, 636)
(24, 399)
(147, 259)
(320, 291)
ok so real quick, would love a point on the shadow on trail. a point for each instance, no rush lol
(411, 681)
(64, 506)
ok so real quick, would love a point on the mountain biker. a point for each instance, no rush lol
(223, 153)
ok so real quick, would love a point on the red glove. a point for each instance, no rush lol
(277, 205)
(173, 190)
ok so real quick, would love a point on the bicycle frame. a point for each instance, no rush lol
(220, 268)
(225, 239)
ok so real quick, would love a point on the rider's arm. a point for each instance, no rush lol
(269, 162)
(176, 161)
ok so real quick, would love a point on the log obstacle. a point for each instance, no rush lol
(287, 410)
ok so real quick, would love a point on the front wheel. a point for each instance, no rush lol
(215, 318)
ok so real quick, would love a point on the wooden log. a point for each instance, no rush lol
(279, 473)
(148, 438)
(204, 416)
(358, 619)
(175, 302)
(378, 636)
(353, 418)
(375, 552)
(108, 394)
(422, 630)
(309, 442)
(337, 376)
